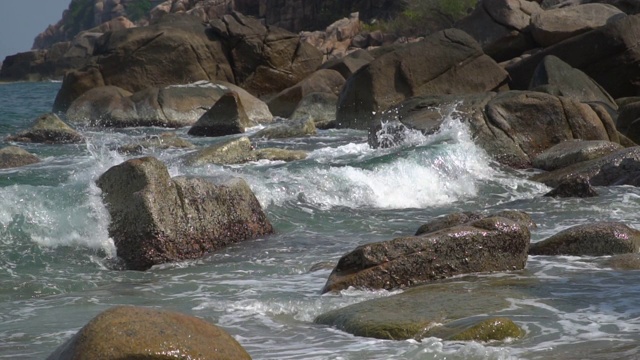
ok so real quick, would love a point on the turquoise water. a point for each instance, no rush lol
(56, 256)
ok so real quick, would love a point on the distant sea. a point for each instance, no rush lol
(56, 254)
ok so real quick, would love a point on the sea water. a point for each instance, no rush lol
(56, 256)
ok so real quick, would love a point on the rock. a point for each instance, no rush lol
(128, 332)
(13, 156)
(49, 129)
(489, 244)
(319, 107)
(273, 154)
(519, 217)
(497, 329)
(156, 219)
(350, 63)
(577, 187)
(322, 81)
(573, 151)
(288, 130)
(556, 77)
(226, 117)
(512, 126)
(459, 218)
(161, 142)
(555, 25)
(607, 54)
(501, 27)
(620, 168)
(628, 121)
(234, 151)
(595, 239)
(102, 106)
(457, 65)
(624, 262)
(443, 310)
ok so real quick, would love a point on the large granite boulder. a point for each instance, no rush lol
(348, 65)
(128, 332)
(456, 65)
(501, 27)
(555, 25)
(13, 156)
(319, 107)
(50, 129)
(619, 168)
(571, 152)
(485, 245)
(512, 126)
(608, 54)
(595, 239)
(226, 117)
(445, 310)
(156, 219)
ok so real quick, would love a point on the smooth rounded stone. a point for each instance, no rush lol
(320, 107)
(274, 154)
(441, 310)
(128, 332)
(157, 219)
(595, 239)
(288, 129)
(49, 129)
(101, 105)
(226, 117)
(624, 262)
(161, 142)
(555, 25)
(13, 156)
(619, 168)
(556, 77)
(575, 187)
(233, 151)
(459, 218)
(485, 245)
(492, 329)
(573, 151)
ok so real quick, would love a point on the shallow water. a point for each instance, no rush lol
(56, 255)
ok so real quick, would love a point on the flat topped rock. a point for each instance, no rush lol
(50, 129)
(595, 239)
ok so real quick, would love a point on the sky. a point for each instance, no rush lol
(22, 20)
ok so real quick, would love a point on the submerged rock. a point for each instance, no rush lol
(290, 129)
(577, 187)
(460, 218)
(128, 332)
(234, 151)
(485, 245)
(596, 239)
(156, 219)
(162, 141)
(274, 154)
(13, 156)
(573, 151)
(624, 262)
(49, 129)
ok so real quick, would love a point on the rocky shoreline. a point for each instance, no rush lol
(540, 85)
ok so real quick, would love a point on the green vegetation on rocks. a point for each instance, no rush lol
(80, 16)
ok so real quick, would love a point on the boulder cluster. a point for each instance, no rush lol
(540, 84)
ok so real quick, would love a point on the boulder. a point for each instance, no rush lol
(573, 151)
(575, 187)
(512, 126)
(595, 239)
(555, 25)
(102, 106)
(288, 129)
(607, 54)
(501, 27)
(628, 121)
(556, 77)
(485, 245)
(49, 129)
(322, 81)
(129, 332)
(445, 310)
(459, 218)
(350, 63)
(156, 219)
(319, 107)
(457, 65)
(226, 117)
(624, 262)
(159, 142)
(13, 156)
(274, 154)
(620, 168)
(233, 151)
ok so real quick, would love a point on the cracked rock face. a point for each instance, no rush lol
(156, 219)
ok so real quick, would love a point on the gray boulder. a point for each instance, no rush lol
(288, 129)
(13, 156)
(156, 219)
(49, 129)
(573, 151)
(459, 218)
(575, 187)
(128, 332)
(226, 117)
(233, 151)
(457, 65)
(350, 63)
(624, 261)
(595, 239)
(319, 107)
(489, 244)
(274, 154)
